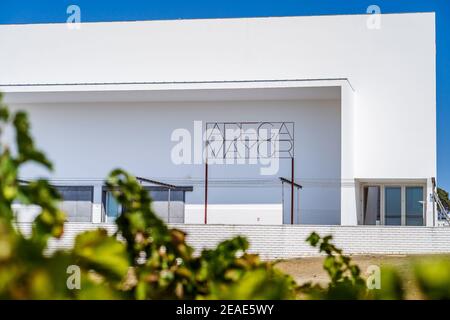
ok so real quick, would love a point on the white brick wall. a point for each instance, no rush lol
(286, 241)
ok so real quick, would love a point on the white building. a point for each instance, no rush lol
(361, 97)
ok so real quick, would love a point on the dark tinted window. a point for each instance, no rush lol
(77, 202)
(163, 195)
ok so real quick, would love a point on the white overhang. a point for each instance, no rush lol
(327, 89)
(320, 89)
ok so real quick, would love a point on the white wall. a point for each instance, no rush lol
(248, 214)
(87, 140)
(392, 69)
(284, 242)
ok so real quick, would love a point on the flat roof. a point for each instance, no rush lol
(306, 89)
(223, 18)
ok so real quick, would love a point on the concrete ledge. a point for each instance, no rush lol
(286, 241)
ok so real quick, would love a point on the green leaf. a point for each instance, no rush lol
(102, 253)
(433, 277)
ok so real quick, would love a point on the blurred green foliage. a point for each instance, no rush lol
(147, 260)
(143, 260)
(433, 276)
(345, 278)
(346, 281)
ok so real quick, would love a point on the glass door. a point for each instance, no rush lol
(414, 206)
(393, 206)
(372, 214)
(113, 208)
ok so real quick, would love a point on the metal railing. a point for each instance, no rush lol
(443, 214)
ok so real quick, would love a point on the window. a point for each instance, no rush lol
(168, 211)
(77, 202)
(163, 195)
(414, 206)
(112, 208)
(372, 214)
(393, 205)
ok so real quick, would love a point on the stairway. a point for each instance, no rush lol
(443, 214)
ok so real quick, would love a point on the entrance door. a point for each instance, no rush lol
(414, 206)
(372, 213)
(393, 205)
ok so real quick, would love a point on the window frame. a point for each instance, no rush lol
(402, 186)
(68, 186)
(363, 203)
(105, 190)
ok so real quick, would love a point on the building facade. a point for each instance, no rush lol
(351, 105)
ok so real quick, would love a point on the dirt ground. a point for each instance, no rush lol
(311, 270)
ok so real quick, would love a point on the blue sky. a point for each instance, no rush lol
(42, 11)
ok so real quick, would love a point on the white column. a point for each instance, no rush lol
(430, 218)
(97, 204)
(349, 215)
